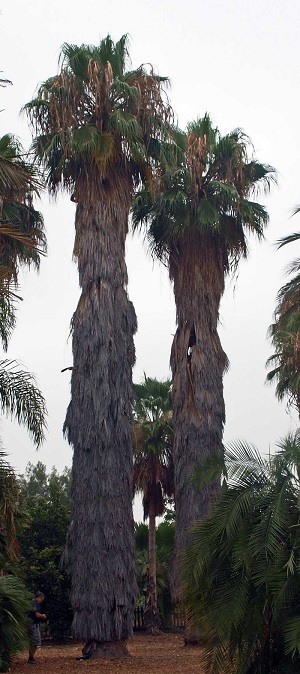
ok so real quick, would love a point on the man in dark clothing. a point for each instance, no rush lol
(34, 632)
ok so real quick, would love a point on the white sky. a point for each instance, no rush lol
(240, 62)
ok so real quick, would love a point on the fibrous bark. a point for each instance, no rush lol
(100, 544)
(198, 362)
(152, 622)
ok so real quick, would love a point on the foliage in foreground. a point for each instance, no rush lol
(14, 601)
(241, 571)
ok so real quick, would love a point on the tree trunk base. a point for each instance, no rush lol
(191, 641)
(192, 636)
(105, 649)
(152, 621)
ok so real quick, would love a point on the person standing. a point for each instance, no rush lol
(34, 633)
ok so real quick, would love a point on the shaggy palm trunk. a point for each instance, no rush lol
(198, 363)
(151, 615)
(100, 551)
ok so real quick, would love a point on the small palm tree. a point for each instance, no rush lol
(198, 225)
(241, 569)
(285, 335)
(100, 129)
(153, 469)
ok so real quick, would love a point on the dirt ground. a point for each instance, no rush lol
(163, 654)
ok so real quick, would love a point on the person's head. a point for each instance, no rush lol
(39, 596)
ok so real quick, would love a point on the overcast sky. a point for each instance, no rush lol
(239, 61)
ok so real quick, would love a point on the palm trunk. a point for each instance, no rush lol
(100, 550)
(151, 615)
(198, 363)
(152, 555)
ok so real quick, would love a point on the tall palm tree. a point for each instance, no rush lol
(198, 226)
(153, 470)
(285, 334)
(95, 127)
(241, 572)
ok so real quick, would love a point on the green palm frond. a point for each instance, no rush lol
(244, 458)
(17, 176)
(292, 635)
(22, 237)
(210, 189)
(291, 237)
(208, 215)
(126, 125)
(21, 399)
(285, 335)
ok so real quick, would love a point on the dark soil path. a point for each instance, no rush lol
(163, 654)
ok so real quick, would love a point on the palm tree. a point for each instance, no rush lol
(22, 242)
(198, 226)
(22, 238)
(285, 335)
(95, 127)
(153, 470)
(241, 570)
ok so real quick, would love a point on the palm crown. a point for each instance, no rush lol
(153, 439)
(207, 194)
(95, 118)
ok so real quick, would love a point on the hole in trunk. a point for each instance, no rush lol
(192, 342)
